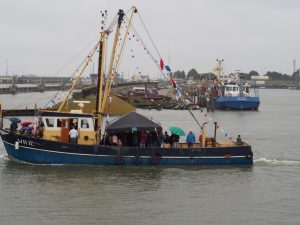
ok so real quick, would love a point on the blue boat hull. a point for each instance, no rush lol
(239, 103)
(37, 151)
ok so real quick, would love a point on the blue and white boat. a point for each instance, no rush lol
(232, 95)
(231, 92)
(51, 143)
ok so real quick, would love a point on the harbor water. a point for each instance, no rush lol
(266, 193)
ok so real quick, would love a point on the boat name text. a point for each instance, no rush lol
(25, 142)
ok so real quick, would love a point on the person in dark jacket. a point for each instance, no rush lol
(166, 137)
(13, 127)
(172, 140)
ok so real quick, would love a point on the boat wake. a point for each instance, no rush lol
(3, 156)
(276, 162)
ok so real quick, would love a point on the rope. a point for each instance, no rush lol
(148, 34)
(146, 48)
(74, 57)
(74, 73)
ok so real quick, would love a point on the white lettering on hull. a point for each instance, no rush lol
(25, 142)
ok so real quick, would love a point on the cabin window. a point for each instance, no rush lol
(50, 122)
(74, 123)
(58, 122)
(84, 123)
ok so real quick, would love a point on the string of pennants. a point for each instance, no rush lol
(178, 95)
(168, 70)
(174, 84)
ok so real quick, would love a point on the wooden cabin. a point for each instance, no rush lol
(58, 124)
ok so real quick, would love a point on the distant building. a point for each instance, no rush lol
(138, 78)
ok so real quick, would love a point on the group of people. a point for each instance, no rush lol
(141, 139)
(28, 129)
(133, 139)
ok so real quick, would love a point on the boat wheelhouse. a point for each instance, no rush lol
(58, 124)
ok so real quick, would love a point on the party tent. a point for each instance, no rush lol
(133, 122)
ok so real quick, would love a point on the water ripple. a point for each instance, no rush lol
(276, 162)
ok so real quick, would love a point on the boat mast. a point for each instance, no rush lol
(117, 63)
(101, 100)
(101, 68)
(220, 61)
(134, 10)
(109, 74)
(100, 79)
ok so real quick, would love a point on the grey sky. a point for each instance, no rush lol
(39, 36)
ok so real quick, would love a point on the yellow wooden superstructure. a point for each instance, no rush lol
(56, 127)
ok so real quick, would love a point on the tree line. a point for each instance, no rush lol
(193, 74)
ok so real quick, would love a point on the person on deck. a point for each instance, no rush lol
(239, 140)
(13, 127)
(150, 140)
(190, 139)
(143, 139)
(40, 128)
(114, 139)
(135, 139)
(119, 143)
(174, 140)
(166, 138)
(157, 140)
(73, 133)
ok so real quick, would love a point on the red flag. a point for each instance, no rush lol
(162, 65)
(173, 82)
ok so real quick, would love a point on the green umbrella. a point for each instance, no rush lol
(177, 130)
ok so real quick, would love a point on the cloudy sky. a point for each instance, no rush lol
(41, 36)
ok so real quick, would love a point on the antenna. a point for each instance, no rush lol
(294, 66)
(6, 68)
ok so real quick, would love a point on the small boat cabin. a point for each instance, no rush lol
(233, 90)
(56, 126)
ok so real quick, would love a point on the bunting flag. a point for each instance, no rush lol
(173, 82)
(161, 64)
(178, 93)
(168, 68)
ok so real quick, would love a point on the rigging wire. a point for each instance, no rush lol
(74, 73)
(145, 47)
(74, 57)
(148, 34)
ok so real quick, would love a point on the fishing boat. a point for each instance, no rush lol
(231, 92)
(95, 142)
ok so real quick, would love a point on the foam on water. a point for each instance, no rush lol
(276, 162)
